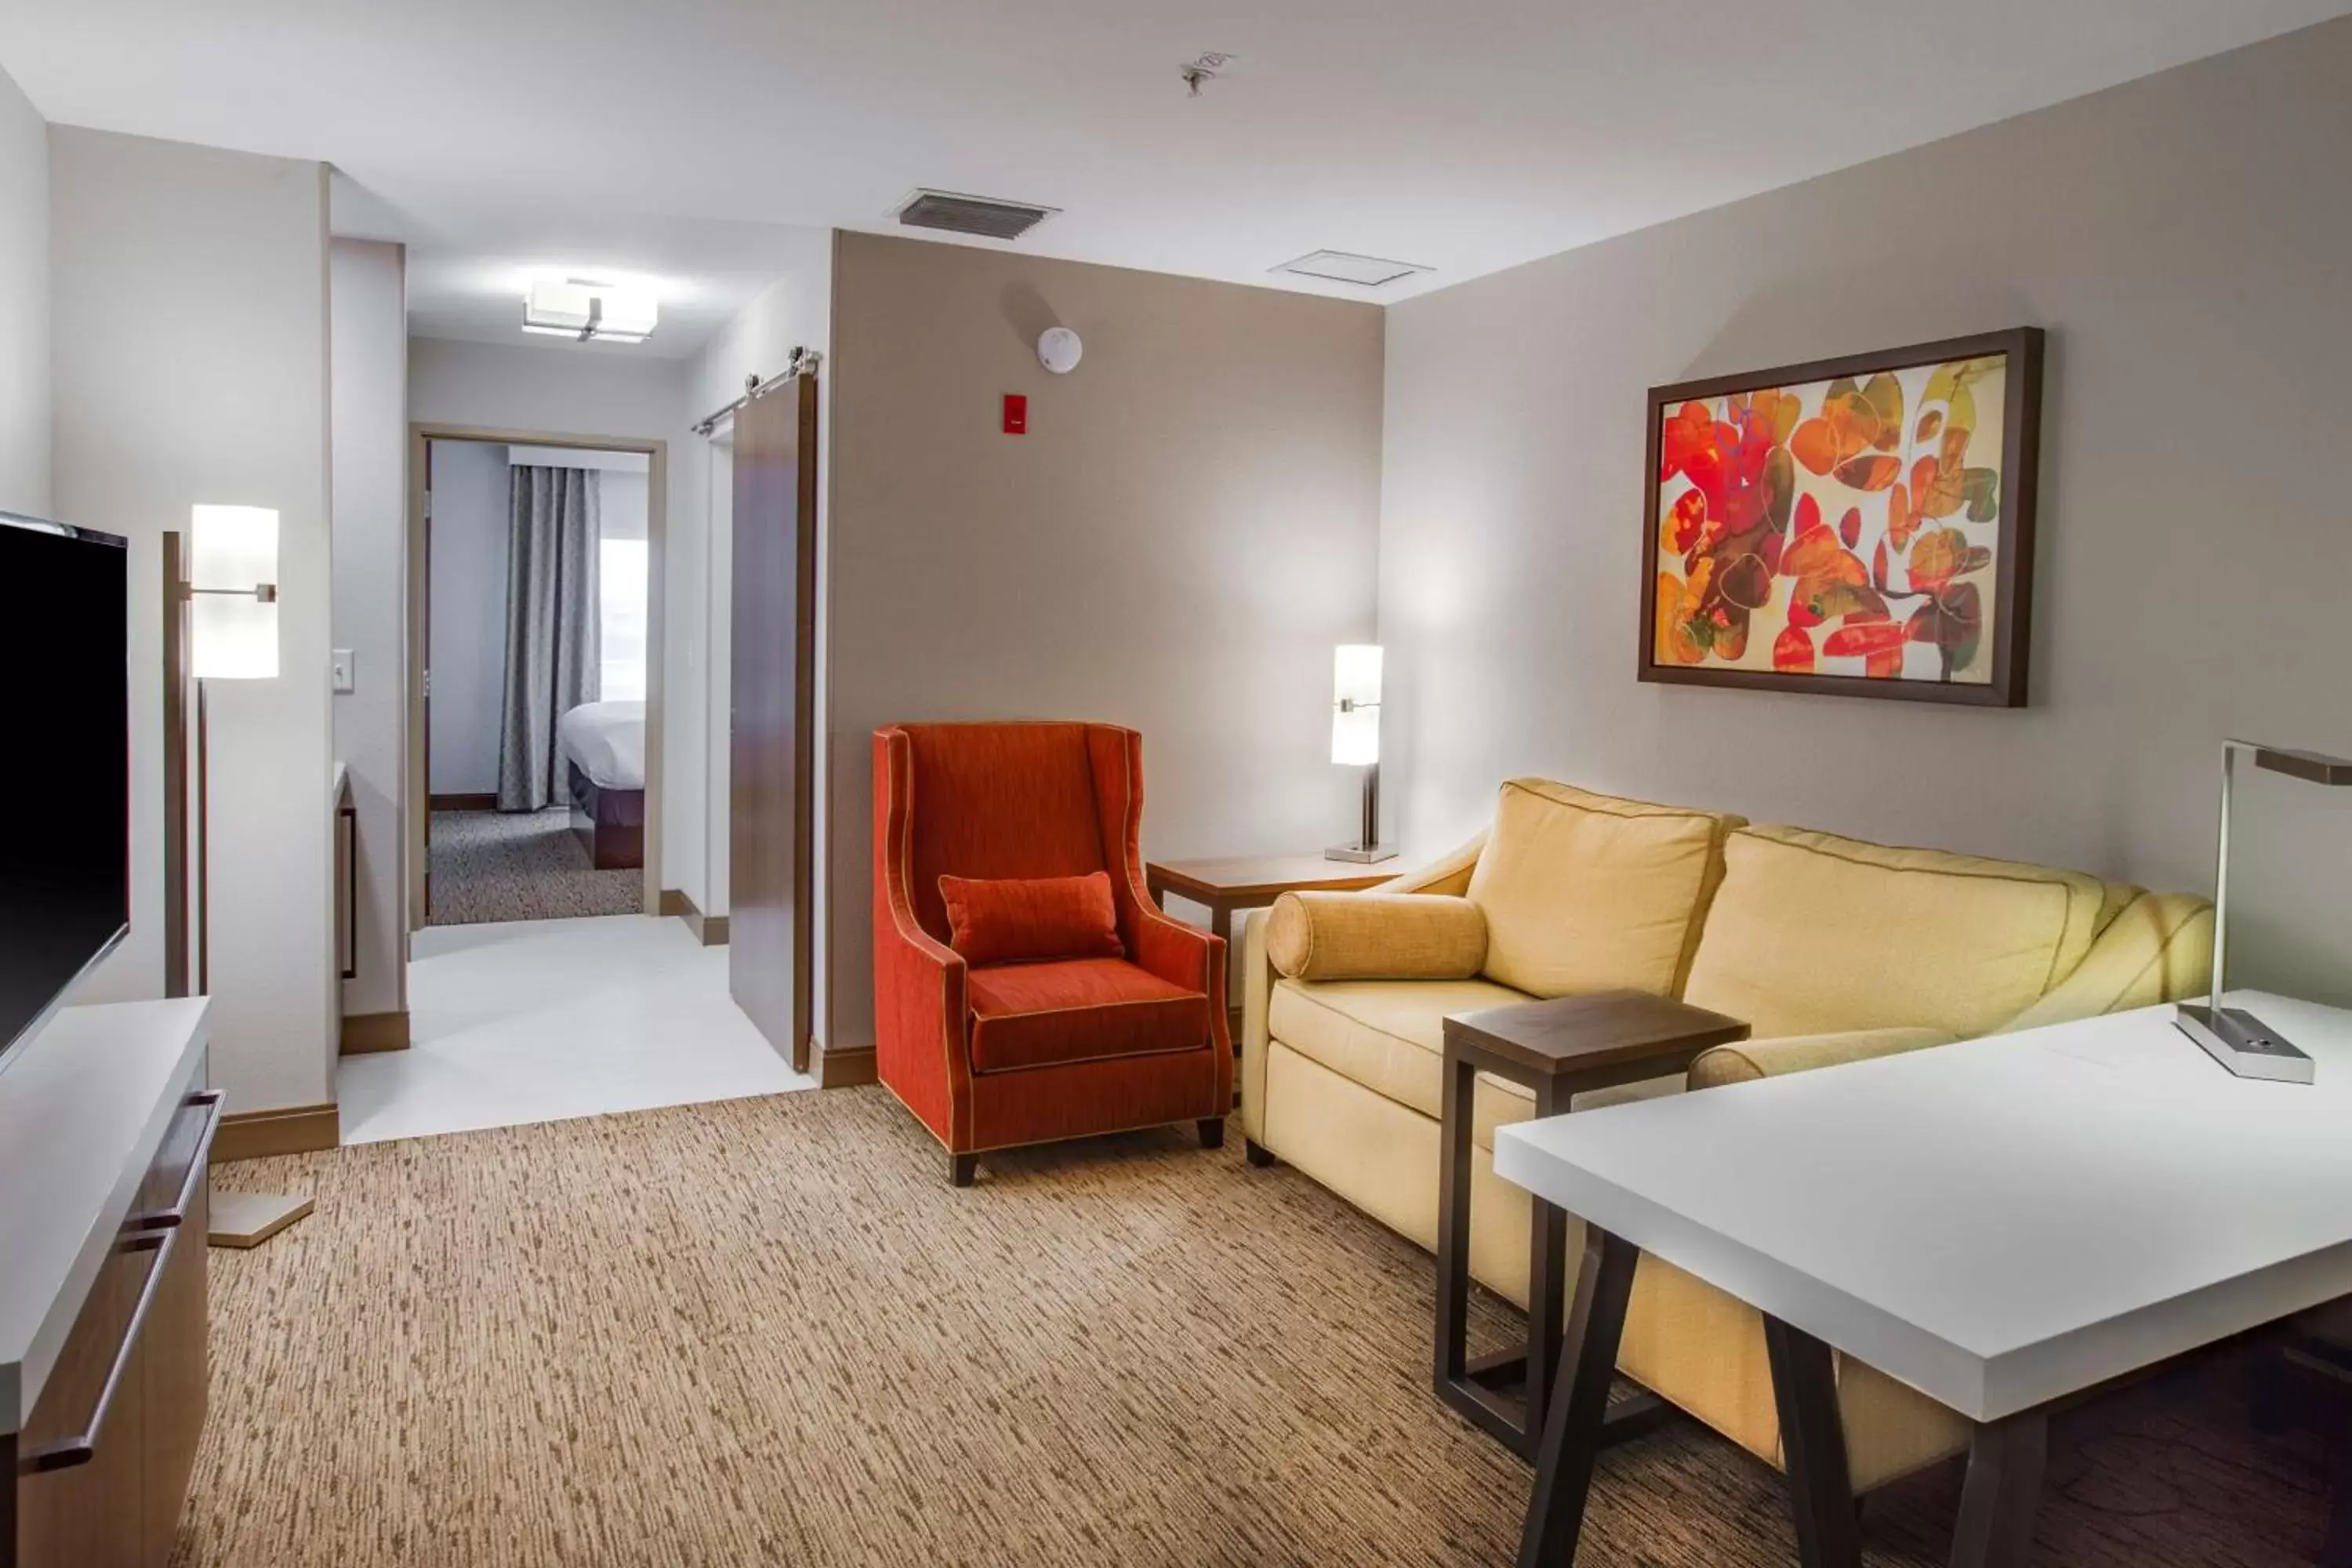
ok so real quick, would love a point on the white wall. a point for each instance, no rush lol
(795, 311)
(189, 335)
(2192, 554)
(467, 639)
(23, 305)
(370, 351)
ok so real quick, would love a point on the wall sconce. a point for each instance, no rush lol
(232, 592)
(2232, 1035)
(1356, 741)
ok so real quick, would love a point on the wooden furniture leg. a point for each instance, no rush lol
(2003, 1488)
(963, 1169)
(1466, 1384)
(1813, 1441)
(1573, 1426)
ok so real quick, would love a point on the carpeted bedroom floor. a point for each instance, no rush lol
(520, 866)
(768, 1331)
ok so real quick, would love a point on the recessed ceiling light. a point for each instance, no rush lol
(1345, 266)
(583, 310)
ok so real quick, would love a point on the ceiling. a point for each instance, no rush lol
(666, 140)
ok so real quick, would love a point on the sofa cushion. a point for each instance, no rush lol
(1084, 1009)
(1587, 892)
(1389, 1035)
(1375, 936)
(1811, 934)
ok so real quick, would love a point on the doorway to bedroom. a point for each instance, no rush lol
(535, 646)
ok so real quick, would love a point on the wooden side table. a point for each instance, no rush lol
(1252, 882)
(1560, 1049)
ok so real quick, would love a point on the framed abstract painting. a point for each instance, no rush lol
(1860, 526)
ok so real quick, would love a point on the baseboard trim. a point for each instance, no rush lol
(841, 1067)
(365, 1033)
(711, 930)
(294, 1129)
(461, 802)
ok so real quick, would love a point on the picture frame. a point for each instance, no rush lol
(1840, 528)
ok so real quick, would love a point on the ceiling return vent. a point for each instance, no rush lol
(1343, 266)
(983, 215)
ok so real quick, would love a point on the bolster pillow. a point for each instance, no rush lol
(1375, 936)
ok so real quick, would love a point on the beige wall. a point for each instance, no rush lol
(1185, 530)
(190, 333)
(2173, 237)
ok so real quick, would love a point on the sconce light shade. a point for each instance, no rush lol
(233, 599)
(1356, 704)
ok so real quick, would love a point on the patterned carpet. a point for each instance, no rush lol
(769, 1333)
(520, 866)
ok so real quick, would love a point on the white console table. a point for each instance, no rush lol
(2002, 1223)
(105, 1139)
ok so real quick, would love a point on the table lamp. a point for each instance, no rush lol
(1356, 741)
(2232, 1035)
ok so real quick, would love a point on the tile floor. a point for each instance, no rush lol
(541, 1020)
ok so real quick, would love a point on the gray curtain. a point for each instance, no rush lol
(553, 657)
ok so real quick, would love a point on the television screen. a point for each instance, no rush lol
(65, 787)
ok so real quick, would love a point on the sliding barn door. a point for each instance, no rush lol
(772, 647)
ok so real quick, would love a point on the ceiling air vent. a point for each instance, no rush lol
(982, 216)
(1342, 266)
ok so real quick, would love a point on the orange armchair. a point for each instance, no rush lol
(995, 1057)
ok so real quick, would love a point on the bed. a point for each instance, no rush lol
(604, 747)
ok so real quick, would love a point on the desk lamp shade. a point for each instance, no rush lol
(233, 593)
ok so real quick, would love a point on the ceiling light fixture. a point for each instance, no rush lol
(585, 310)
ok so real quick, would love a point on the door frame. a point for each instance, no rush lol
(416, 806)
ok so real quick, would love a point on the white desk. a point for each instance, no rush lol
(2000, 1223)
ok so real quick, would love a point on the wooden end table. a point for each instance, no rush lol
(1560, 1049)
(1252, 882)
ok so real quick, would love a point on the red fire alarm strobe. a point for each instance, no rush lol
(1016, 413)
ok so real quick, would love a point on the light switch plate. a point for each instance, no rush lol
(344, 675)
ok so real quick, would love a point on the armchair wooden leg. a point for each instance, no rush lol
(1212, 1132)
(1257, 1154)
(963, 1169)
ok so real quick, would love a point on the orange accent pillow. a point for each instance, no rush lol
(1032, 920)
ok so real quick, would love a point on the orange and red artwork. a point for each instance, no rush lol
(1861, 525)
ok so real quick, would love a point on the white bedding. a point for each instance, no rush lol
(608, 741)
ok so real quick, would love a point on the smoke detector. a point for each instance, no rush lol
(1346, 267)
(987, 216)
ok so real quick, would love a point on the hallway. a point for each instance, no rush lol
(540, 1021)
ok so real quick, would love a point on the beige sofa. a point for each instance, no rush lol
(1834, 950)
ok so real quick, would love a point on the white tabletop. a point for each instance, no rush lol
(85, 1104)
(1998, 1223)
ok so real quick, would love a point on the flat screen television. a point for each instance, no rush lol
(64, 786)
